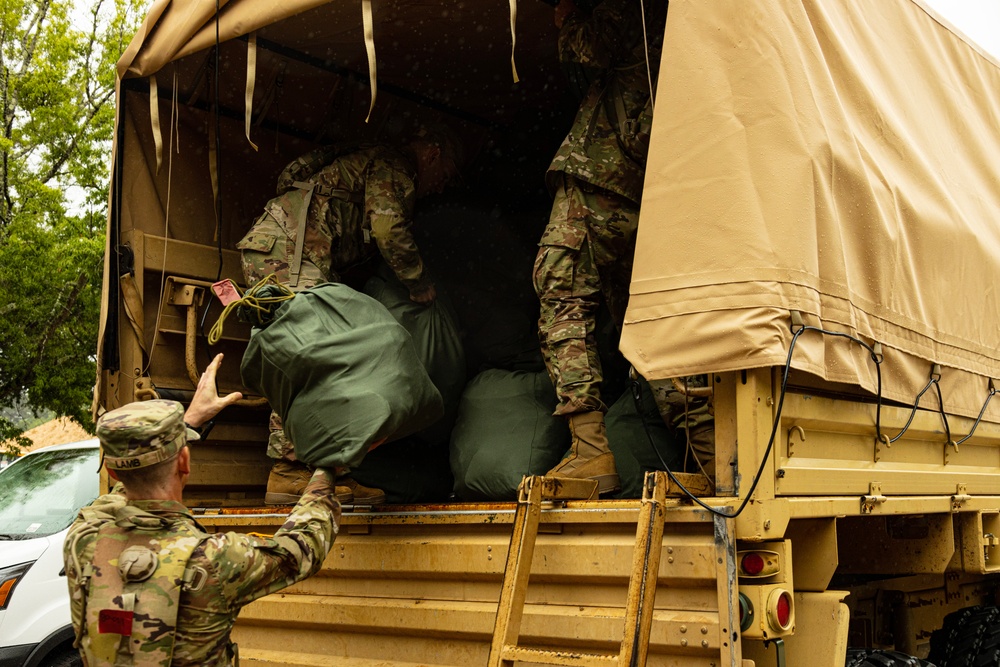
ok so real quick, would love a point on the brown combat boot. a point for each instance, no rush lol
(287, 481)
(589, 455)
(363, 495)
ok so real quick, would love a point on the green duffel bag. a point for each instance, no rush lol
(341, 373)
(632, 436)
(504, 431)
(436, 339)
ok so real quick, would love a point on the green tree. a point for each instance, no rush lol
(57, 75)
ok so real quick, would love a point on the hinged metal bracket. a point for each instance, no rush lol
(961, 496)
(184, 292)
(873, 498)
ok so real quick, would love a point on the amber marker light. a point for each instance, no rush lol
(9, 576)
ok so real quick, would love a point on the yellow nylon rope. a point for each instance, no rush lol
(249, 299)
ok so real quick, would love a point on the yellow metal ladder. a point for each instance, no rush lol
(641, 589)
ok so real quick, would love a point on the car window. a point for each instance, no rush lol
(41, 493)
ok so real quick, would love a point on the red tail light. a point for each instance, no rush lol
(752, 564)
(758, 563)
(779, 609)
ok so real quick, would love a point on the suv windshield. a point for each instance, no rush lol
(41, 493)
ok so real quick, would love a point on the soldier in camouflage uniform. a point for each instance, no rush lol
(147, 584)
(351, 207)
(587, 247)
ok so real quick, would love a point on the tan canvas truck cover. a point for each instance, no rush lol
(840, 158)
(796, 164)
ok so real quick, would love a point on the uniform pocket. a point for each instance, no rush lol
(565, 235)
(257, 242)
(567, 343)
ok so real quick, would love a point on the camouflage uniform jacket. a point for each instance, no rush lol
(341, 233)
(610, 41)
(229, 570)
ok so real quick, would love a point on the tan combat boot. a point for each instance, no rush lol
(287, 481)
(363, 495)
(589, 455)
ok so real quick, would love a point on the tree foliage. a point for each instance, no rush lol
(57, 76)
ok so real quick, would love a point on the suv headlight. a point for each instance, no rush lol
(9, 576)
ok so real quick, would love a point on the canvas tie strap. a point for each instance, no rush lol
(300, 231)
(369, 24)
(251, 80)
(133, 307)
(645, 43)
(513, 38)
(154, 119)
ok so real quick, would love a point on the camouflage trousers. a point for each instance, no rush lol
(280, 447)
(692, 417)
(584, 254)
(278, 444)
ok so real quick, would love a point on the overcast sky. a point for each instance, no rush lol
(978, 19)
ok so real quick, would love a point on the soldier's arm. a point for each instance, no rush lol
(390, 195)
(250, 567)
(603, 38)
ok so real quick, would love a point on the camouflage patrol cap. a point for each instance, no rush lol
(143, 433)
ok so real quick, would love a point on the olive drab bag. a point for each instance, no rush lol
(341, 373)
(436, 338)
(132, 589)
(504, 431)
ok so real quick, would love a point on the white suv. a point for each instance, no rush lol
(40, 494)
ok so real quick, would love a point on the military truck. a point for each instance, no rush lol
(818, 237)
